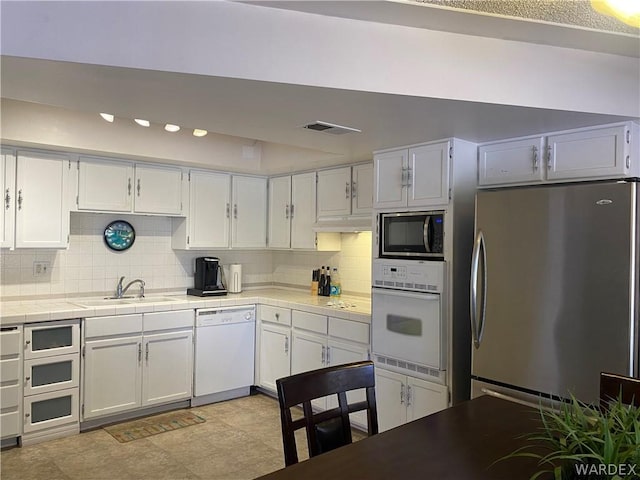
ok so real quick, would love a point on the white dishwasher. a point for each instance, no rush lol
(224, 353)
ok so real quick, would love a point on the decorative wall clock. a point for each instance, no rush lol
(119, 235)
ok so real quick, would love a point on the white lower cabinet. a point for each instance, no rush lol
(274, 359)
(134, 361)
(10, 375)
(401, 399)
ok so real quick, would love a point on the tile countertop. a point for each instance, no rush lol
(29, 311)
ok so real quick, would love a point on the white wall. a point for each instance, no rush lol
(235, 40)
(89, 267)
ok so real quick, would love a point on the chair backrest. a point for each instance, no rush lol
(613, 385)
(329, 429)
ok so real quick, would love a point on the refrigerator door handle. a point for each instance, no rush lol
(477, 327)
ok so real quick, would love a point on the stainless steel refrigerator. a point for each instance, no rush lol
(554, 289)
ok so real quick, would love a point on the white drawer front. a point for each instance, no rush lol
(113, 325)
(9, 370)
(51, 374)
(348, 330)
(10, 423)
(309, 321)
(52, 338)
(10, 396)
(168, 320)
(275, 314)
(50, 410)
(10, 342)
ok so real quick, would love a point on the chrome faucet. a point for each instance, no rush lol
(120, 291)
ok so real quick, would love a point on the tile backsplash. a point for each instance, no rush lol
(89, 266)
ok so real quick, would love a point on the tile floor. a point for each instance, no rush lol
(241, 439)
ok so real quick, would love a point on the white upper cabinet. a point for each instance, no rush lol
(8, 183)
(158, 189)
(591, 153)
(389, 180)
(345, 191)
(428, 175)
(41, 204)
(413, 177)
(362, 189)
(208, 218)
(511, 162)
(118, 186)
(604, 152)
(303, 210)
(334, 192)
(105, 185)
(249, 206)
(279, 212)
(292, 211)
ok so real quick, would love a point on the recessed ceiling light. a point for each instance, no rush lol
(199, 133)
(141, 122)
(171, 128)
(107, 116)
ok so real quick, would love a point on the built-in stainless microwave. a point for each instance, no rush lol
(418, 235)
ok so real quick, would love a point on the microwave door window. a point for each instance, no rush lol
(404, 325)
(405, 234)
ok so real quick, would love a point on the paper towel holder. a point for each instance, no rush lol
(235, 278)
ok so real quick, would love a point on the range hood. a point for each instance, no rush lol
(346, 225)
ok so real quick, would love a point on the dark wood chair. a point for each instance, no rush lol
(613, 385)
(329, 429)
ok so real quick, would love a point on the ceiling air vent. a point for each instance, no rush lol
(331, 128)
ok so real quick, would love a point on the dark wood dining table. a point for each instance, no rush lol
(461, 442)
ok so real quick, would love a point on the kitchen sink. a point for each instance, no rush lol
(128, 300)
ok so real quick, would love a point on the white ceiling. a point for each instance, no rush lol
(273, 112)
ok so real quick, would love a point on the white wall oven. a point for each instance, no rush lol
(412, 235)
(408, 328)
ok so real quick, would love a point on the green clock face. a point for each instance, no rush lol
(119, 235)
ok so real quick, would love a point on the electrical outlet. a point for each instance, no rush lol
(40, 268)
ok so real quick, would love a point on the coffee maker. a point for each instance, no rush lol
(208, 278)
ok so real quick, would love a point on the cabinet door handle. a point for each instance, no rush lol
(27, 342)
(408, 395)
(146, 355)
(324, 355)
(129, 187)
(138, 188)
(409, 176)
(7, 200)
(353, 189)
(346, 191)
(328, 358)
(139, 352)
(535, 158)
(20, 199)
(286, 344)
(277, 317)
(286, 211)
(235, 210)
(403, 178)
(228, 210)
(549, 154)
(27, 378)
(401, 393)
(292, 210)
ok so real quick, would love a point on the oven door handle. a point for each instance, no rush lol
(402, 293)
(477, 324)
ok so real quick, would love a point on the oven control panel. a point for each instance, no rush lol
(412, 275)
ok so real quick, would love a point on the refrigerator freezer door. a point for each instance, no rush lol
(558, 292)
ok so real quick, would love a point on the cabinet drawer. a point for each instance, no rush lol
(51, 374)
(309, 321)
(275, 314)
(10, 396)
(10, 423)
(52, 338)
(113, 325)
(348, 330)
(10, 342)
(10, 370)
(50, 410)
(168, 320)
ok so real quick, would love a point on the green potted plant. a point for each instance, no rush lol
(580, 441)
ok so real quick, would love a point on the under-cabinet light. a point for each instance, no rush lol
(199, 133)
(171, 128)
(141, 122)
(108, 117)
